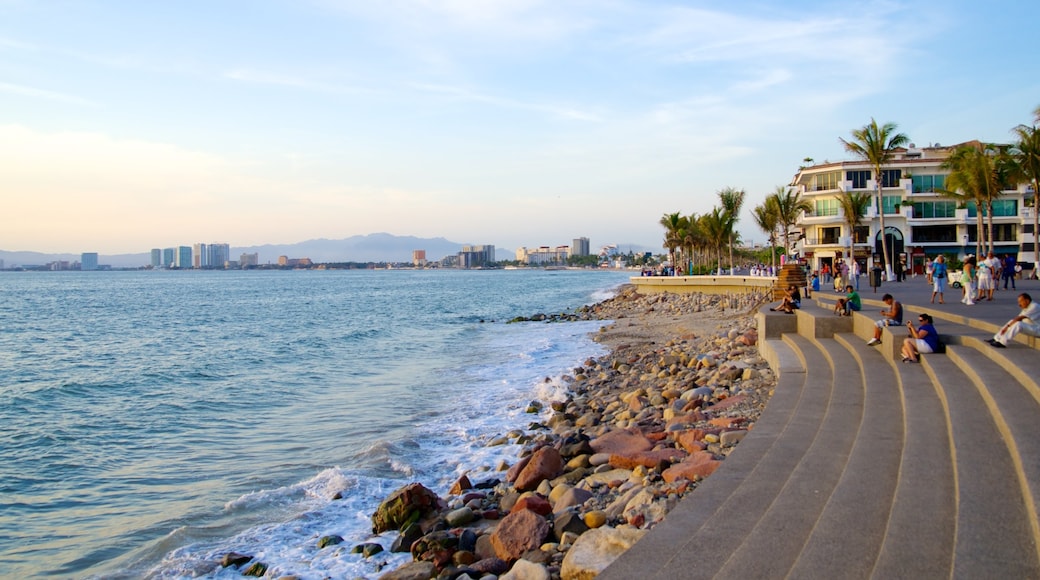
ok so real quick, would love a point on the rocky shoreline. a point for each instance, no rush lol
(641, 427)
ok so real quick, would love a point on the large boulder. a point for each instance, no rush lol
(595, 550)
(517, 533)
(621, 442)
(546, 463)
(404, 506)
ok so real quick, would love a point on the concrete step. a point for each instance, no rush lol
(994, 531)
(1015, 410)
(860, 505)
(730, 502)
(774, 537)
(919, 539)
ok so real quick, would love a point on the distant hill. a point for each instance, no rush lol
(367, 248)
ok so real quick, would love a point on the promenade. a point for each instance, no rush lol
(866, 467)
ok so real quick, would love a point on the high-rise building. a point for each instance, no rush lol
(249, 260)
(580, 247)
(200, 256)
(218, 255)
(476, 256)
(419, 258)
(88, 261)
(157, 261)
(183, 257)
(169, 257)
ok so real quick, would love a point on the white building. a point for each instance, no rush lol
(919, 221)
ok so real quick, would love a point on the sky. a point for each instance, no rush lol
(131, 125)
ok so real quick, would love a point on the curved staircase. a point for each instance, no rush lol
(864, 467)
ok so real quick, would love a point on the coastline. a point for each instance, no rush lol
(640, 428)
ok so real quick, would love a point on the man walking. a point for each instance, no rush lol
(1007, 272)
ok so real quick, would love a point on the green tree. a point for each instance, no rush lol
(732, 201)
(789, 204)
(714, 227)
(767, 220)
(672, 224)
(854, 207)
(1026, 152)
(874, 144)
(978, 172)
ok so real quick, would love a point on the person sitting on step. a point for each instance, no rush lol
(1027, 321)
(849, 304)
(891, 317)
(792, 301)
(922, 340)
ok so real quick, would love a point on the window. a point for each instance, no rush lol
(827, 207)
(890, 177)
(859, 179)
(890, 203)
(926, 234)
(935, 209)
(1001, 232)
(927, 183)
(830, 235)
(861, 234)
(1005, 208)
(825, 181)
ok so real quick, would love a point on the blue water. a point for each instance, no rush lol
(152, 421)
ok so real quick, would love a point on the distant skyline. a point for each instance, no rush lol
(126, 126)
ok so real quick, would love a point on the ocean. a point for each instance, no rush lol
(152, 421)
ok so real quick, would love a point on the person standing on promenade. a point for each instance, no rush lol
(939, 277)
(928, 270)
(923, 340)
(1007, 271)
(968, 273)
(851, 302)
(891, 317)
(987, 276)
(1027, 321)
(856, 271)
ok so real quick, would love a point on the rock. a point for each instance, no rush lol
(568, 521)
(732, 437)
(459, 517)
(257, 569)
(699, 465)
(517, 533)
(535, 503)
(546, 463)
(496, 566)
(608, 477)
(461, 484)
(404, 506)
(408, 536)
(367, 549)
(326, 541)
(595, 519)
(526, 570)
(621, 442)
(597, 549)
(572, 497)
(234, 559)
(647, 458)
(437, 547)
(411, 571)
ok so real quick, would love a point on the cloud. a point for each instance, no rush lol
(33, 92)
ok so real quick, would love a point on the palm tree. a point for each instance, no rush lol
(732, 201)
(1027, 156)
(672, 223)
(975, 175)
(874, 144)
(854, 206)
(789, 204)
(714, 227)
(767, 220)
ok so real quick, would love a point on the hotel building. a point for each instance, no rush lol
(919, 221)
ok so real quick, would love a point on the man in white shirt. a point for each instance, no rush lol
(1027, 321)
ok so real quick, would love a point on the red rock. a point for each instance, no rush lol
(727, 422)
(518, 533)
(515, 470)
(646, 458)
(461, 485)
(535, 503)
(656, 435)
(700, 464)
(546, 463)
(691, 440)
(621, 442)
(728, 402)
